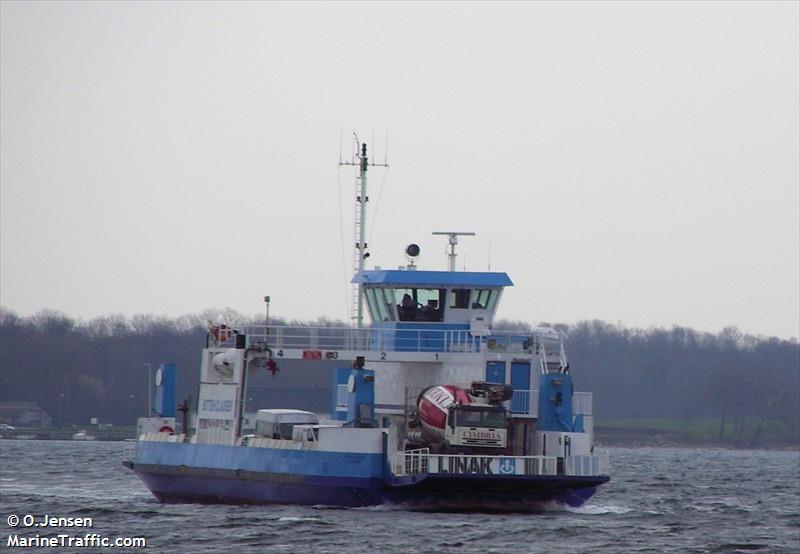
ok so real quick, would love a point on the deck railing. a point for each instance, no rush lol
(413, 462)
(525, 402)
(588, 465)
(421, 461)
(421, 339)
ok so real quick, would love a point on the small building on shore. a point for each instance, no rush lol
(24, 414)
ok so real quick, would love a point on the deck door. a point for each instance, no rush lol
(496, 372)
(521, 381)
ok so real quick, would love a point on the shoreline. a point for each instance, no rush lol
(618, 437)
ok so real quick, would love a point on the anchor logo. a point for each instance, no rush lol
(508, 466)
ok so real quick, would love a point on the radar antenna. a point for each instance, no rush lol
(453, 242)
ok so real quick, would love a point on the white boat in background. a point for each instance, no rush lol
(82, 435)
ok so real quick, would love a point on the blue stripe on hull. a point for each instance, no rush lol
(268, 460)
(168, 487)
(242, 475)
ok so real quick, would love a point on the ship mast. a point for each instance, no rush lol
(361, 160)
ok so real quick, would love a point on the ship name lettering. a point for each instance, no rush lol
(467, 464)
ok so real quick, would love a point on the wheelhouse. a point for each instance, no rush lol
(425, 297)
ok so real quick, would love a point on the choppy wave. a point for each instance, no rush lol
(594, 509)
(664, 500)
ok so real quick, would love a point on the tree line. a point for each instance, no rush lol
(78, 370)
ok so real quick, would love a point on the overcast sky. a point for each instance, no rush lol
(631, 162)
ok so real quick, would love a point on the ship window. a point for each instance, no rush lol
(384, 305)
(459, 298)
(483, 299)
(420, 304)
(380, 306)
(388, 302)
(401, 295)
(408, 308)
(369, 294)
(493, 296)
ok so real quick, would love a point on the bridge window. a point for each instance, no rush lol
(494, 296)
(388, 301)
(370, 296)
(414, 304)
(459, 298)
(476, 299)
(483, 299)
(381, 303)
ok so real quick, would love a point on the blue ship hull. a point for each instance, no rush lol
(240, 475)
(209, 487)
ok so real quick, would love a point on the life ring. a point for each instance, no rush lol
(167, 429)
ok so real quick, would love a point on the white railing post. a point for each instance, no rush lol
(411, 462)
(542, 357)
(587, 464)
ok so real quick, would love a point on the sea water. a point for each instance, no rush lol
(658, 500)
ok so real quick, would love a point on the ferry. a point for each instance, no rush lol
(431, 407)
